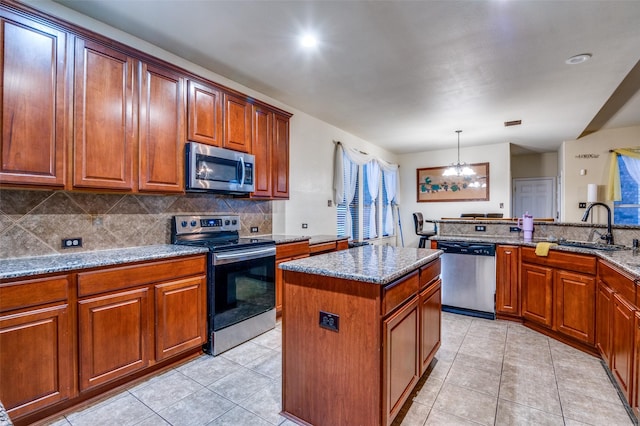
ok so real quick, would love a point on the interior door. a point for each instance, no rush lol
(535, 195)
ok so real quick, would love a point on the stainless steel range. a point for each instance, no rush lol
(240, 278)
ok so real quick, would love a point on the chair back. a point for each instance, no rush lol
(418, 221)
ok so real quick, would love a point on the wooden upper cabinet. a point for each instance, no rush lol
(237, 123)
(34, 110)
(262, 129)
(105, 117)
(162, 116)
(280, 157)
(205, 114)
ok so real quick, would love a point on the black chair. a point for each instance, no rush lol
(418, 221)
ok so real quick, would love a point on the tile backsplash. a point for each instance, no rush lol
(33, 223)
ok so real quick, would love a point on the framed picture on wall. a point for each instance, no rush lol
(433, 186)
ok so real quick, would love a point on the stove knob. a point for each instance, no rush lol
(194, 223)
(183, 223)
(226, 222)
(235, 222)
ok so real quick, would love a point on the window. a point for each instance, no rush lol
(370, 209)
(627, 210)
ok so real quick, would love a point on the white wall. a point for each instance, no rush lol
(534, 165)
(498, 157)
(596, 169)
(311, 140)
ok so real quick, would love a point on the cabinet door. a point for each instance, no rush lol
(261, 147)
(113, 336)
(636, 367)
(162, 112)
(36, 359)
(622, 323)
(507, 280)
(401, 358)
(105, 118)
(237, 123)
(34, 102)
(604, 308)
(205, 114)
(430, 327)
(537, 293)
(280, 157)
(575, 313)
(180, 315)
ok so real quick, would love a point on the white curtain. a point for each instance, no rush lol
(373, 182)
(633, 167)
(350, 176)
(391, 186)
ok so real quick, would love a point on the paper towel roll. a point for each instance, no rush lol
(592, 193)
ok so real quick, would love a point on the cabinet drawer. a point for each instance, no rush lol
(429, 272)
(292, 249)
(322, 248)
(342, 245)
(397, 292)
(562, 260)
(111, 279)
(618, 281)
(23, 294)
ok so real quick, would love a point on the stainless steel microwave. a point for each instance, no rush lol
(212, 169)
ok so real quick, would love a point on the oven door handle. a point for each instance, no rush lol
(242, 255)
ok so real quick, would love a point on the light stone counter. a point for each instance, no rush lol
(28, 266)
(374, 264)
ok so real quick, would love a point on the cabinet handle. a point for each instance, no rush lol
(507, 252)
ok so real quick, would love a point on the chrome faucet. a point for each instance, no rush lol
(608, 237)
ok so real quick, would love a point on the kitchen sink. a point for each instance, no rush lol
(591, 245)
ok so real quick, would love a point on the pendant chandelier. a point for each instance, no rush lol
(458, 169)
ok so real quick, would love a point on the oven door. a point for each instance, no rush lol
(241, 285)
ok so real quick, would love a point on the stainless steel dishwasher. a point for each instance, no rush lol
(469, 278)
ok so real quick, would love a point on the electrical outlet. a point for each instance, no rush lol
(254, 229)
(329, 203)
(305, 226)
(514, 229)
(582, 205)
(502, 205)
(71, 243)
(481, 228)
(329, 321)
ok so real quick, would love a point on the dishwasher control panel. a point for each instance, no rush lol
(464, 247)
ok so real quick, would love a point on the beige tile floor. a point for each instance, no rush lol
(487, 373)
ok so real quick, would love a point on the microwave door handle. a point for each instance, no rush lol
(243, 171)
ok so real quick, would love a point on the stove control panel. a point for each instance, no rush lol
(199, 224)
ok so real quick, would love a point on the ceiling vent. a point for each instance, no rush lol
(512, 123)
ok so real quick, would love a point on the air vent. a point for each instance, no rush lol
(512, 123)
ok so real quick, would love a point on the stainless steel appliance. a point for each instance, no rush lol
(212, 169)
(468, 278)
(240, 278)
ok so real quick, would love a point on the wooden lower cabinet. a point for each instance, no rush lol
(114, 336)
(430, 304)
(507, 280)
(622, 331)
(575, 305)
(635, 401)
(604, 306)
(180, 313)
(537, 294)
(401, 369)
(37, 359)
(284, 253)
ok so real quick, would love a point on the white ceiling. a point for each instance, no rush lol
(406, 74)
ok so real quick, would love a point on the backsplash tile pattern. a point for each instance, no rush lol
(33, 223)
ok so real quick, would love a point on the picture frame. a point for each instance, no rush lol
(432, 186)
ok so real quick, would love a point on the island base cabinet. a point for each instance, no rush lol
(402, 368)
(35, 359)
(113, 332)
(635, 402)
(430, 323)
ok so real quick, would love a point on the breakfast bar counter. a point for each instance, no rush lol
(360, 327)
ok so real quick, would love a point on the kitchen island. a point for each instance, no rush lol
(360, 327)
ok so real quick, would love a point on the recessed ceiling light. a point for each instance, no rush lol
(308, 41)
(578, 59)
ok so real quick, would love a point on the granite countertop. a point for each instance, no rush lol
(627, 260)
(374, 264)
(283, 239)
(28, 266)
(321, 239)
